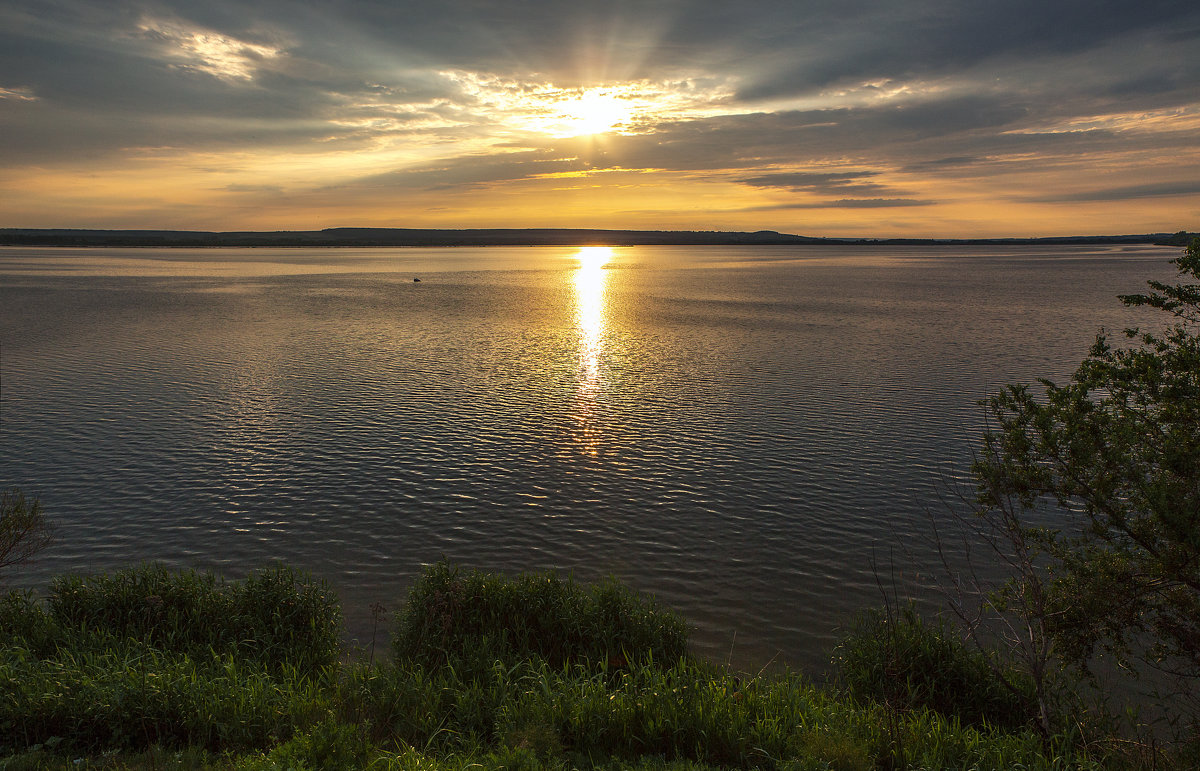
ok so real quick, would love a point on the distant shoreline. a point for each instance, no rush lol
(410, 237)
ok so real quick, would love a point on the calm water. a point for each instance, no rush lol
(735, 429)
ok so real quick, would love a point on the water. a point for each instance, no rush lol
(743, 431)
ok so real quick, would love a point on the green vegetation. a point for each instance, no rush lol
(147, 656)
(24, 530)
(150, 668)
(451, 617)
(272, 618)
(1180, 238)
(908, 663)
(1095, 486)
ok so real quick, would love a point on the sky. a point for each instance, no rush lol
(921, 118)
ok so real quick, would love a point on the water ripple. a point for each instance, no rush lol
(744, 435)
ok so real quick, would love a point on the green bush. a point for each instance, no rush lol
(478, 617)
(275, 616)
(907, 663)
(610, 688)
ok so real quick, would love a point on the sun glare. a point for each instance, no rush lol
(592, 112)
(628, 107)
(590, 311)
(593, 257)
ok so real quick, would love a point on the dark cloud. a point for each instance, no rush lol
(239, 188)
(1128, 192)
(930, 39)
(952, 161)
(895, 96)
(849, 203)
(467, 173)
(828, 183)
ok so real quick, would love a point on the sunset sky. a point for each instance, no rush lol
(856, 117)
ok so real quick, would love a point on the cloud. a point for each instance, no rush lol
(467, 173)
(18, 94)
(1127, 192)
(244, 188)
(195, 48)
(948, 162)
(833, 183)
(862, 104)
(928, 39)
(870, 203)
(848, 203)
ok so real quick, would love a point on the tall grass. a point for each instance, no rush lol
(150, 656)
(905, 662)
(275, 616)
(133, 696)
(452, 616)
(523, 672)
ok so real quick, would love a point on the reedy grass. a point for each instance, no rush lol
(151, 759)
(906, 662)
(132, 696)
(536, 673)
(273, 616)
(148, 656)
(471, 617)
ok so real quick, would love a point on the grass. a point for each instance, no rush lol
(150, 668)
(275, 616)
(909, 663)
(455, 617)
(149, 656)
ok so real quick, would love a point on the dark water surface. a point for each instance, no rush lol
(735, 429)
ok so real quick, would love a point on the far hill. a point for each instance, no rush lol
(374, 237)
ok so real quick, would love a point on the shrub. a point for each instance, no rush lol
(1099, 480)
(907, 663)
(24, 530)
(289, 617)
(477, 617)
(149, 656)
(276, 616)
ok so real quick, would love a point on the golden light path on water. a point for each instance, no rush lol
(590, 280)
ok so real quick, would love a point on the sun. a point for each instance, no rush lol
(592, 112)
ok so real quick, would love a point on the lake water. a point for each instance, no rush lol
(740, 430)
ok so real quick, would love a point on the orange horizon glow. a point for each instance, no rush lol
(603, 143)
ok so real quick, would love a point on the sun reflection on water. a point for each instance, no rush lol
(590, 281)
